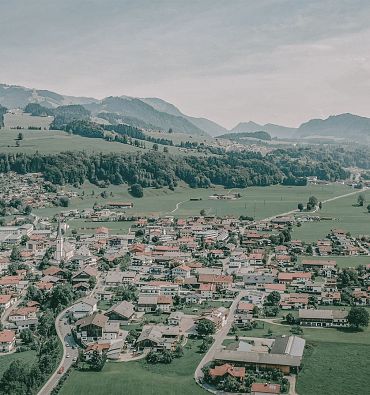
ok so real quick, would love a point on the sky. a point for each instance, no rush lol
(270, 61)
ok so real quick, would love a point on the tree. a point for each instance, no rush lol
(20, 136)
(358, 316)
(361, 200)
(15, 254)
(273, 298)
(27, 210)
(136, 190)
(97, 361)
(205, 327)
(290, 319)
(320, 205)
(300, 206)
(64, 201)
(24, 240)
(202, 212)
(26, 336)
(155, 147)
(312, 200)
(368, 208)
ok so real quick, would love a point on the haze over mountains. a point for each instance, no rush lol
(155, 113)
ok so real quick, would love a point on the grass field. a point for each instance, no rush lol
(333, 369)
(54, 141)
(134, 378)
(342, 261)
(275, 199)
(346, 215)
(25, 120)
(6, 360)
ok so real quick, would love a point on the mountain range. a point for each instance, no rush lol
(155, 113)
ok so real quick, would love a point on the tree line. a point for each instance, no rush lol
(154, 169)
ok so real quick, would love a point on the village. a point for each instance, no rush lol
(144, 294)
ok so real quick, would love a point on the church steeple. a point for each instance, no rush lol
(59, 244)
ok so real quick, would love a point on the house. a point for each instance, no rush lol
(175, 318)
(5, 302)
(181, 271)
(323, 318)
(92, 327)
(114, 278)
(146, 303)
(84, 307)
(290, 278)
(265, 389)
(23, 313)
(164, 303)
(284, 353)
(294, 301)
(85, 275)
(228, 370)
(7, 340)
(123, 311)
(217, 316)
(207, 290)
(218, 280)
(158, 337)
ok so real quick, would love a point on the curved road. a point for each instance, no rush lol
(70, 347)
(218, 338)
(64, 333)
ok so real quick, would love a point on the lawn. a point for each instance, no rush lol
(342, 261)
(6, 360)
(138, 377)
(345, 215)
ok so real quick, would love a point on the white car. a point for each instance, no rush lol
(67, 356)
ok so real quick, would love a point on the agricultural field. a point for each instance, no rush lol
(24, 121)
(345, 215)
(132, 378)
(54, 141)
(276, 199)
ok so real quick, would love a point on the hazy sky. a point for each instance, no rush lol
(280, 61)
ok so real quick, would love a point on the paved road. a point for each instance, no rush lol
(69, 354)
(70, 347)
(219, 337)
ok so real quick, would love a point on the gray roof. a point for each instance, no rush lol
(326, 314)
(258, 358)
(124, 309)
(288, 345)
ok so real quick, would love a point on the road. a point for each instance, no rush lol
(64, 333)
(177, 206)
(219, 337)
(70, 347)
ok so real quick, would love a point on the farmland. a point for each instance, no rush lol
(276, 199)
(138, 377)
(344, 214)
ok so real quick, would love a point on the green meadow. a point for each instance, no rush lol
(258, 202)
(138, 377)
(341, 213)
